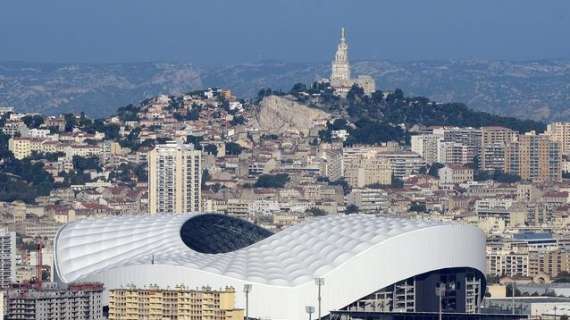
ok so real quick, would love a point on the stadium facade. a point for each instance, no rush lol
(369, 263)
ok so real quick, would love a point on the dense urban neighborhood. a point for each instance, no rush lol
(330, 150)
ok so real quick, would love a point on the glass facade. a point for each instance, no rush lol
(463, 290)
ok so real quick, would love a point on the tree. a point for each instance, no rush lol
(33, 121)
(298, 87)
(272, 180)
(316, 212)
(123, 174)
(111, 131)
(233, 148)
(141, 172)
(194, 113)
(131, 141)
(128, 113)
(86, 163)
(23, 180)
(397, 183)
(434, 169)
(351, 209)
(371, 132)
(343, 183)
(50, 156)
(70, 122)
(211, 149)
(339, 124)
(5, 153)
(237, 120)
(195, 140)
(418, 207)
(325, 135)
(205, 177)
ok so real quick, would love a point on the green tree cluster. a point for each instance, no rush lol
(81, 164)
(233, 148)
(272, 180)
(33, 121)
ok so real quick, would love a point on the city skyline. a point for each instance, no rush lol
(327, 190)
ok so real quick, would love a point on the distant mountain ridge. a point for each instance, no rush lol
(538, 90)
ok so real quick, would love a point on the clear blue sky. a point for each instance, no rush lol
(237, 31)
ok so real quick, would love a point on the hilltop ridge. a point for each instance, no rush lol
(538, 90)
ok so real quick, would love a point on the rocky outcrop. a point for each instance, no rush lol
(280, 114)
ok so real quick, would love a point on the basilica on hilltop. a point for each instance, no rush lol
(341, 79)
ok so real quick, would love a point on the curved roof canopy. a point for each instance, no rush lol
(222, 244)
(357, 254)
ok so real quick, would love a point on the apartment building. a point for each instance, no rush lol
(534, 157)
(426, 145)
(560, 132)
(154, 303)
(492, 148)
(80, 301)
(454, 153)
(7, 258)
(363, 171)
(455, 174)
(174, 178)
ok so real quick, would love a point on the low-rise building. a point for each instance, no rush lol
(80, 301)
(455, 174)
(180, 303)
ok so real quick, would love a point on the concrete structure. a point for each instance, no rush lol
(153, 303)
(7, 258)
(560, 132)
(372, 201)
(403, 163)
(426, 145)
(449, 152)
(333, 163)
(493, 141)
(174, 178)
(357, 255)
(361, 172)
(467, 136)
(455, 174)
(534, 157)
(545, 308)
(80, 301)
(341, 79)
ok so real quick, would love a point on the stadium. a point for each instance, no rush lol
(368, 263)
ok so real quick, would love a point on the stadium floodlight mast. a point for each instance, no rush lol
(310, 310)
(319, 282)
(247, 289)
(440, 292)
(513, 292)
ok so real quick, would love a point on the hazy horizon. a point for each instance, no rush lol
(294, 31)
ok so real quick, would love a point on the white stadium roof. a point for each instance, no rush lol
(356, 254)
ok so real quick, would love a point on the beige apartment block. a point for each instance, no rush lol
(180, 303)
(174, 178)
(560, 132)
(534, 157)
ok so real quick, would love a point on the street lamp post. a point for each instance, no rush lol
(319, 282)
(440, 292)
(247, 290)
(555, 312)
(310, 310)
(513, 291)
